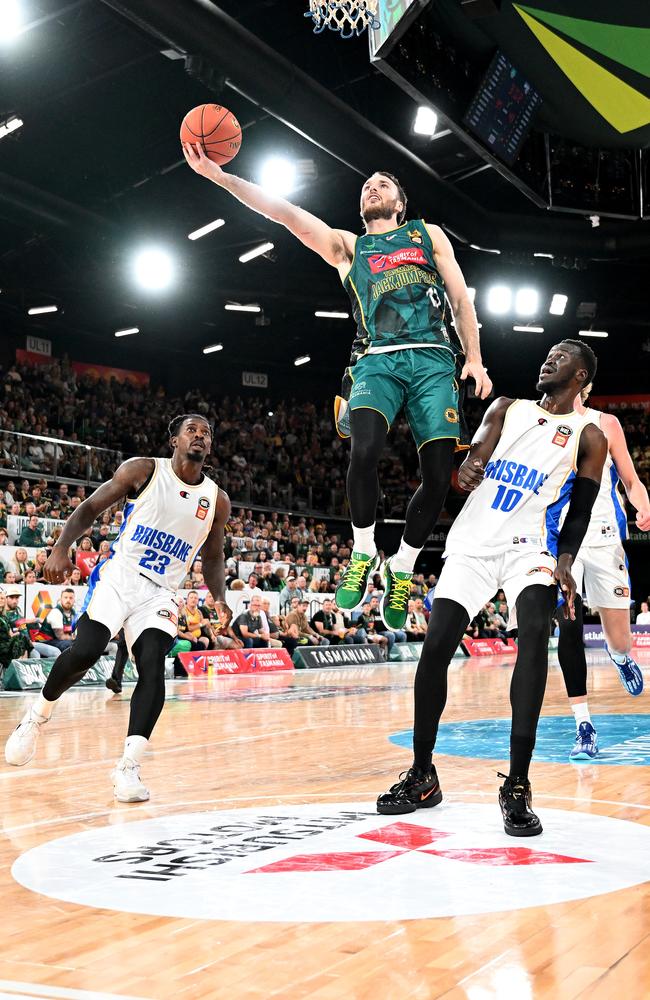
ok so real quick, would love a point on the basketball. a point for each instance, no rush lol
(215, 128)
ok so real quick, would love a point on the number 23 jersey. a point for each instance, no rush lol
(527, 484)
(165, 526)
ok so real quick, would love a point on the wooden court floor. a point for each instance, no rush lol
(286, 884)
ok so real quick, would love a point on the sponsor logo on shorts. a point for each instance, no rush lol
(451, 415)
(622, 591)
(202, 509)
(539, 569)
(165, 613)
(185, 495)
(562, 435)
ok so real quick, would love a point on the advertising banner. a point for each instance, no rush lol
(28, 675)
(105, 372)
(489, 647)
(337, 656)
(594, 637)
(16, 523)
(212, 663)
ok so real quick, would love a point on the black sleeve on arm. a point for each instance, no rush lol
(583, 497)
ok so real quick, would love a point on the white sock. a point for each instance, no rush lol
(404, 559)
(43, 707)
(581, 713)
(134, 748)
(617, 657)
(364, 540)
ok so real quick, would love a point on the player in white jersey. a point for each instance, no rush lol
(601, 565)
(172, 511)
(527, 462)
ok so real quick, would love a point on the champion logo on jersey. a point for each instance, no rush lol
(415, 236)
(185, 495)
(202, 509)
(562, 435)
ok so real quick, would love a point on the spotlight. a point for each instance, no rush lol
(425, 122)
(39, 310)
(127, 332)
(324, 314)
(302, 360)
(212, 348)
(526, 302)
(153, 269)
(594, 333)
(528, 329)
(204, 230)
(499, 299)
(256, 252)
(278, 176)
(558, 305)
(12, 123)
(236, 308)
(11, 20)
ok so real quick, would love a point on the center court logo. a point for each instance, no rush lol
(336, 862)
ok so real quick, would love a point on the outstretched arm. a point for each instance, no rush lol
(463, 310)
(592, 453)
(333, 245)
(471, 472)
(128, 479)
(637, 494)
(214, 571)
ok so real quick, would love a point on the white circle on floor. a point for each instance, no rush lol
(337, 862)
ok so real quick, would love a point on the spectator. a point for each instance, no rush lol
(21, 564)
(30, 577)
(371, 613)
(248, 626)
(298, 617)
(273, 624)
(32, 534)
(14, 642)
(58, 627)
(643, 617)
(190, 624)
(416, 624)
(86, 557)
(224, 635)
(290, 591)
(39, 565)
(324, 623)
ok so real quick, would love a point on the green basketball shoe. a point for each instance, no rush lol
(393, 606)
(351, 591)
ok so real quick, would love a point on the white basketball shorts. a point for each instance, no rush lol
(120, 598)
(602, 570)
(474, 580)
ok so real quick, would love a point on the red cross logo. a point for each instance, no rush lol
(406, 837)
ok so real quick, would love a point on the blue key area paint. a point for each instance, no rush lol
(622, 739)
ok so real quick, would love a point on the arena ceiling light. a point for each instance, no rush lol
(499, 299)
(256, 252)
(236, 308)
(11, 20)
(204, 230)
(540, 254)
(39, 310)
(325, 314)
(304, 359)
(558, 305)
(212, 348)
(426, 121)
(127, 331)
(278, 176)
(594, 333)
(528, 329)
(526, 301)
(10, 125)
(153, 269)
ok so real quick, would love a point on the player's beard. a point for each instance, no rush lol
(379, 210)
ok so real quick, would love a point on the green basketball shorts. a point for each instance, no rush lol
(420, 380)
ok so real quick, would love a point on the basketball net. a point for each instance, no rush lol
(348, 17)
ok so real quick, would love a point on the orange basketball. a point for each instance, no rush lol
(215, 128)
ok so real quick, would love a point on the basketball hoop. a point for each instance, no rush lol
(348, 17)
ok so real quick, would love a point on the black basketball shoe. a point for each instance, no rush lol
(113, 684)
(416, 789)
(515, 799)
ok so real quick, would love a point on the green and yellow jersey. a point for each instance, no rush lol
(397, 293)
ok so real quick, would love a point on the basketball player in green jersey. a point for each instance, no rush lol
(399, 276)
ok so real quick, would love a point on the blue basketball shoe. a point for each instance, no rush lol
(630, 674)
(586, 743)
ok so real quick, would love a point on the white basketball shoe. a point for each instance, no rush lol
(21, 745)
(127, 786)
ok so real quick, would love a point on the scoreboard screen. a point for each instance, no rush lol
(389, 15)
(501, 113)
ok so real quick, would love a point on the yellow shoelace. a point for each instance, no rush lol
(354, 574)
(401, 593)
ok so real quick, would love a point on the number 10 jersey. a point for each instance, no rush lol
(527, 484)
